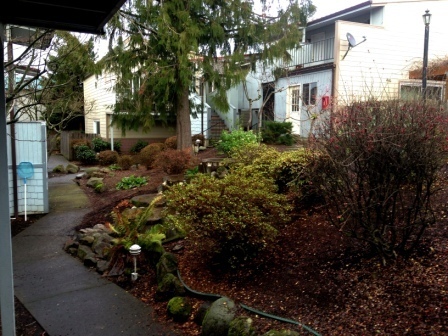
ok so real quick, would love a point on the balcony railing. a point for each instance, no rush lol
(311, 53)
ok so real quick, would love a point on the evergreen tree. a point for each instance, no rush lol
(62, 91)
(158, 47)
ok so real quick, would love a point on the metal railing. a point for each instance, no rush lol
(321, 51)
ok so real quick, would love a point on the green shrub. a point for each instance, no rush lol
(107, 157)
(237, 138)
(149, 154)
(138, 146)
(99, 145)
(84, 154)
(171, 142)
(125, 161)
(79, 142)
(173, 161)
(378, 171)
(130, 182)
(291, 170)
(275, 132)
(233, 217)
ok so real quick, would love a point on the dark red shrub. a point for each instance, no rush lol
(173, 161)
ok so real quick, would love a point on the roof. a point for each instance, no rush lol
(84, 16)
(341, 15)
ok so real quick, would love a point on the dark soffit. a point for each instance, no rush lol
(84, 16)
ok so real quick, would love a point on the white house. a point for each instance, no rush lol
(100, 97)
(387, 42)
(363, 51)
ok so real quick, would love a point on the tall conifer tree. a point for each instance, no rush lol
(159, 45)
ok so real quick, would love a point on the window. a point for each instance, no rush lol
(295, 98)
(309, 93)
(410, 90)
(96, 127)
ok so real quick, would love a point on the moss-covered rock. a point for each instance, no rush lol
(169, 287)
(179, 308)
(201, 312)
(59, 169)
(72, 168)
(167, 264)
(94, 182)
(218, 318)
(241, 326)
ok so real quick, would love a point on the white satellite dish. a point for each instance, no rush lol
(352, 43)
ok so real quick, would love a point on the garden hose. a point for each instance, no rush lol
(252, 310)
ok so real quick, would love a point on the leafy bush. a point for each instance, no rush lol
(237, 138)
(377, 171)
(173, 161)
(99, 145)
(84, 154)
(233, 218)
(138, 146)
(171, 142)
(275, 132)
(130, 182)
(198, 137)
(107, 157)
(149, 154)
(125, 162)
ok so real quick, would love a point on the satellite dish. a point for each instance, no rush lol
(351, 40)
(352, 43)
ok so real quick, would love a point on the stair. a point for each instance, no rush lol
(217, 125)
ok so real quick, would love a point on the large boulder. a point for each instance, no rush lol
(218, 318)
(94, 182)
(283, 332)
(147, 199)
(91, 170)
(59, 169)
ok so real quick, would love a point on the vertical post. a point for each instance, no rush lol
(11, 84)
(6, 272)
(426, 21)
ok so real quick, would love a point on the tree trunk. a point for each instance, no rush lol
(183, 122)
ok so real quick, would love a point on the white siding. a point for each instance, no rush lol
(374, 68)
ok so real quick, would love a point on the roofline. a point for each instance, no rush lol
(336, 15)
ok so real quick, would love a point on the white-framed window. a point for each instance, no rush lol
(412, 90)
(309, 93)
(96, 127)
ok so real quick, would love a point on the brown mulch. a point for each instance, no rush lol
(314, 275)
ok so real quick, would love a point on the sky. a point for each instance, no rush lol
(326, 7)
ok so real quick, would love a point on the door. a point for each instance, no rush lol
(293, 108)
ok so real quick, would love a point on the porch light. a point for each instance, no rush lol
(196, 146)
(135, 250)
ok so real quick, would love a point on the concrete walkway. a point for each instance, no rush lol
(64, 296)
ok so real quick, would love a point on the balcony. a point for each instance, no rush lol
(311, 54)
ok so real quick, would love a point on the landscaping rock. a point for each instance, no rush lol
(84, 251)
(169, 287)
(86, 240)
(89, 171)
(72, 168)
(102, 266)
(146, 200)
(179, 308)
(218, 318)
(70, 244)
(202, 311)
(93, 182)
(241, 326)
(167, 264)
(59, 169)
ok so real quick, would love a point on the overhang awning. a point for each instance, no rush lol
(84, 16)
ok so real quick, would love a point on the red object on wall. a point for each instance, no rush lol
(325, 102)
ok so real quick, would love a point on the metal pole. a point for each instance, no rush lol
(425, 61)
(6, 272)
(11, 84)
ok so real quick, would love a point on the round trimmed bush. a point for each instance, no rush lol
(149, 154)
